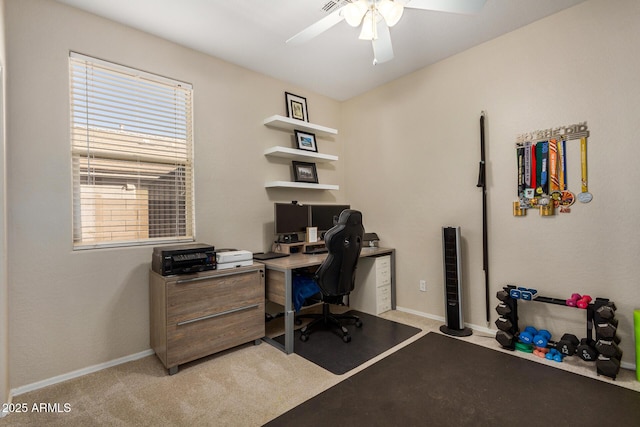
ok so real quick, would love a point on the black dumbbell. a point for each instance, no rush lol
(504, 324)
(608, 348)
(503, 295)
(587, 350)
(505, 339)
(607, 329)
(567, 344)
(608, 366)
(503, 309)
(607, 311)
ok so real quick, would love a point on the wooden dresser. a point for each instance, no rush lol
(196, 315)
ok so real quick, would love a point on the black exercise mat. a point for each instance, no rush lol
(442, 381)
(326, 349)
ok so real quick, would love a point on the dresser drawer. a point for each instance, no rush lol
(383, 263)
(383, 306)
(383, 271)
(191, 299)
(198, 315)
(193, 339)
(383, 299)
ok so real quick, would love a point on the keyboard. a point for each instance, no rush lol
(316, 251)
(269, 255)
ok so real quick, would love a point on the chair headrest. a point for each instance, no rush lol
(350, 216)
(336, 275)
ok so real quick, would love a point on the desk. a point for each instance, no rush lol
(279, 281)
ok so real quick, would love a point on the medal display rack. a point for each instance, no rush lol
(600, 345)
(542, 170)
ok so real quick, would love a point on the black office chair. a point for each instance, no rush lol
(336, 275)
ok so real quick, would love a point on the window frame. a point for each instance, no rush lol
(171, 151)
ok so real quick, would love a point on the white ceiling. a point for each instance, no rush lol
(252, 34)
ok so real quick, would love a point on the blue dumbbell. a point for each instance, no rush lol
(541, 339)
(554, 355)
(527, 335)
(529, 294)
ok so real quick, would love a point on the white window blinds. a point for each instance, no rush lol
(132, 155)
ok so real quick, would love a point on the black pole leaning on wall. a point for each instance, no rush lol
(482, 182)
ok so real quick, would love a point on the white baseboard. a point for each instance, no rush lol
(627, 365)
(624, 365)
(420, 313)
(442, 319)
(80, 372)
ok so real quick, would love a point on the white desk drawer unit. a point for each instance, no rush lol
(383, 271)
(372, 293)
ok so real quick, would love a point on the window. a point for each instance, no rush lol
(132, 155)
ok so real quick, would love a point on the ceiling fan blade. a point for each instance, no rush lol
(316, 29)
(453, 6)
(382, 48)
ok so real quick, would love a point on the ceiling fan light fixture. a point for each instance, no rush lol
(369, 27)
(354, 12)
(390, 11)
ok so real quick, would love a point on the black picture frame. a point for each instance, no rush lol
(296, 107)
(305, 172)
(305, 141)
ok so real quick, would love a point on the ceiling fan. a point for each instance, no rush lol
(376, 16)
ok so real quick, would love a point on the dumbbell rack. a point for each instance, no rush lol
(603, 349)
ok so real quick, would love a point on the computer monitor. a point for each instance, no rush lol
(326, 216)
(290, 218)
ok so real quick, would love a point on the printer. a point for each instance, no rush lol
(183, 259)
(233, 259)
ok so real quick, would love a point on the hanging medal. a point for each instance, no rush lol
(554, 183)
(567, 198)
(528, 175)
(520, 206)
(530, 192)
(520, 160)
(585, 196)
(542, 150)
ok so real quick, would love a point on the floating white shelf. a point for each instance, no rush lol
(288, 123)
(289, 184)
(295, 154)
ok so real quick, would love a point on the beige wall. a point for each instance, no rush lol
(72, 310)
(408, 158)
(419, 137)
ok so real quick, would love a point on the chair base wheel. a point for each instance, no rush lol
(328, 320)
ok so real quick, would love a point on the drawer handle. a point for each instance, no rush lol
(210, 316)
(198, 279)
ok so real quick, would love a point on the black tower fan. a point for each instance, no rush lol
(451, 250)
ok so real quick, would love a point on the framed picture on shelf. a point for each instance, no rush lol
(305, 141)
(296, 107)
(312, 234)
(305, 172)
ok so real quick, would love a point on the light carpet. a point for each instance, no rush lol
(246, 386)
